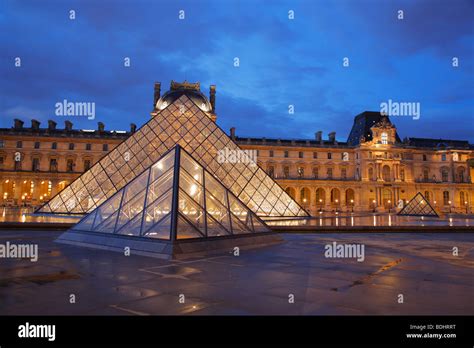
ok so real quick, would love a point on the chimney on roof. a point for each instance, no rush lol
(133, 127)
(318, 136)
(212, 98)
(332, 137)
(35, 125)
(157, 94)
(100, 126)
(51, 125)
(68, 126)
(18, 124)
(232, 133)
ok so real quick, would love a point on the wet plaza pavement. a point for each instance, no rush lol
(420, 266)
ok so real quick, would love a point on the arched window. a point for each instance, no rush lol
(371, 173)
(350, 197)
(402, 174)
(384, 138)
(335, 196)
(320, 196)
(305, 196)
(446, 197)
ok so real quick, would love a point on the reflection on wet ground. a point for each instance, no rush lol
(27, 215)
(421, 266)
(375, 220)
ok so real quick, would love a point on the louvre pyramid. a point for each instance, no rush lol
(181, 122)
(175, 198)
(418, 206)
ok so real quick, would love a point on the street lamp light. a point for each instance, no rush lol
(352, 205)
(320, 205)
(465, 203)
(449, 202)
(373, 203)
(337, 201)
(389, 205)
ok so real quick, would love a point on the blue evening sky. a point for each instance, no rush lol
(282, 61)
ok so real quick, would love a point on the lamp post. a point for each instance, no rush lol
(336, 201)
(389, 205)
(465, 203)
(373, 203)
(320, 205)
(352, 205)
(449, 202)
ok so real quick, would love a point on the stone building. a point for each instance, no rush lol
(374, 170)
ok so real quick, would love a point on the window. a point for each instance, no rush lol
(35, 164)
(329, 173)
(286, 153)
(70, 165)
(402, 174)
(315, 172)
(344, 173)
(18, 165)
(300, 172)
(88, 147)
(53, 164)
(105, 147)
(329, 155)
(54, 146)
(444, 175)
(300, 154)
(258, 153)
(271, 153)
(443, 157)
(446, 198)
(71, 146)
(271, 171)
(286, 172)
(424, 157)
(426, 174)
(19, 144)
(87, 164)
(2, 144)
(370, 154)
(384, 138)
(315, 155)
(427, 196)
(37, 144)
(1, 161)
(386, 173)
(371, 173)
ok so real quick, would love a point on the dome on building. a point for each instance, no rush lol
(192, 90)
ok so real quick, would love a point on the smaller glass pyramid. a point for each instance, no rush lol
(173, 199)
(418, 206)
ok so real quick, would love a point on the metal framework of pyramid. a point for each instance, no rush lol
(174, 199)
(418, 206)
(181, 122)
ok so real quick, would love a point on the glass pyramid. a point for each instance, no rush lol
(173, 199)
(418, 206)
(181, 122)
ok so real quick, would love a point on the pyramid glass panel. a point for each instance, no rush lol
(157, 210)
(185, 230)
(144, 207)
(160, 230)
(418, 206)
(193, 212)
(169, 127)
